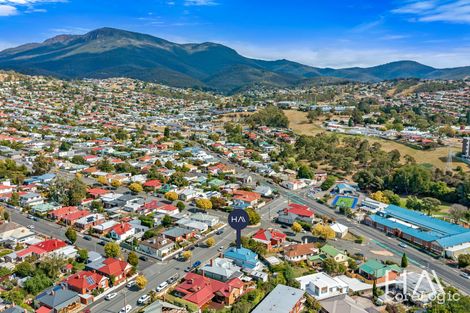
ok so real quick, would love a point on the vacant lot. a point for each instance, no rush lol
(437, 157)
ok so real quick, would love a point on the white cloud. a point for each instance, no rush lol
(451, 11)
(200, 2)
(7, 10)
(340, 57)
(13, 7)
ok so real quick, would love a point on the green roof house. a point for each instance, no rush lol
(374, 269)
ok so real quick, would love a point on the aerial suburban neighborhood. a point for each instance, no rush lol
(113, 202)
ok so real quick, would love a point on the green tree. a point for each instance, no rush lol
(24, 269)
(180, 205)
(254, 216)
(167, 220)
(71, 234)
(37, 283)
(305, 172)
(330, 265)
(133, 259)
(42, 165)
(83, 254)
(203, 203)
(112, 250)
(404, 261)
(52, 265)
(210, 241)
(464, 260)
(136, 187)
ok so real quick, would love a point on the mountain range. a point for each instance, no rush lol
(109, 52)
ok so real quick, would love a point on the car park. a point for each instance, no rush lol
(110, 296)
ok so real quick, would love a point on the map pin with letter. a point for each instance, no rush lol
(238, 219)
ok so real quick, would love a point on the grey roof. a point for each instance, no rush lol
(281, 300)
(15, 309)
(158, 306)
(59, 299)
(343, 304)
(176, 232)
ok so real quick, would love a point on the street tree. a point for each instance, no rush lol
(112, 250)
(71, 235)
(141, 282)
(210, 241)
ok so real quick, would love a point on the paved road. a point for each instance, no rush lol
(421, 259)
(56, 231)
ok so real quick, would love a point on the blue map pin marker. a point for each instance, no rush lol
(238, 219)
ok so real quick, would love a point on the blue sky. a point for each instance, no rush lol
(333, 33)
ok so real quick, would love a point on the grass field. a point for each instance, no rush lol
(347, 202)
(438, 157)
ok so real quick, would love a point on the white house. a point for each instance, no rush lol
(293, 184)
(322, 286)
(210, 220)
(339, 229)
(122, 231)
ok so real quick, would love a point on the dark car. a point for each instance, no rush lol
(102, 243)
(87, 237)
(172, 279)
(192, 248)
(220, 232)
(143, 258)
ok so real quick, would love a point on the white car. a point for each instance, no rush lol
(143, 299)
(465, 275)
(162, 286)
(31, 226)
(401, 244)
(130, 284)
(126, 309)
(111, 296)
(221, 248)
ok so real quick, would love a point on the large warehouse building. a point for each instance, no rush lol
(435, 235)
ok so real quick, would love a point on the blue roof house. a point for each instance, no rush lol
(243, 257)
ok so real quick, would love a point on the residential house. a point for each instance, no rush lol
(221, 269)
(104, 228)
(157, 247)
(243, 257)
(294, 184)
(300, 252)
(250, 198)
(88, 221)
(85, 282)
(339, 229)
(60, 301)
(201, 290)
(283, 299)
(111, 267)
(270, 238)
(322, 286)
(328, 251)
(376, 270)
(179, 234)
(12, 233)
(121, 231)
(296, 212)
(38, 250)
(63, 211)
(210, 220)
(30, 199)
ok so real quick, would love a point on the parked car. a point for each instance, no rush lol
(31, 226)
(102, 243)
(221, 248)
(403, 245)
(126, 309)
(86, 237)
(465, 275)
(130, 284)
(111, 296)
(143, 258)
(188, 269)
(220, 232)
(143, 299)
(172, 279)
(162, 286)
(196, 264)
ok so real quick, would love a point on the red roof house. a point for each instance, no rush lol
(200, 290)
(271, 238)
(116, 268)
(85, 282)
